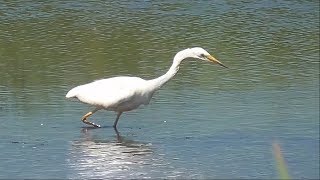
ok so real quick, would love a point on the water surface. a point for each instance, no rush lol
(208, 122)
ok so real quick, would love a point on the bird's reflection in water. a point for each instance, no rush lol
(94, 157)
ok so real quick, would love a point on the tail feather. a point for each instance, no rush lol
(72, 93)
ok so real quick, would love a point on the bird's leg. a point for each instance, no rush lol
(84, 118)
(117, 119)
(119, 138)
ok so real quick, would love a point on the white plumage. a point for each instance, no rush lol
(125, 93)
(114, 93)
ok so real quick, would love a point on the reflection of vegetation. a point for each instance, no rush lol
(57, 45)
(100, 39)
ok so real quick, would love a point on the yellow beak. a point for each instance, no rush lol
(214, 60)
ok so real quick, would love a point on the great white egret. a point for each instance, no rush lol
(125, 93)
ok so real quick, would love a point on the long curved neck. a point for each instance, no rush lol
(160, 81)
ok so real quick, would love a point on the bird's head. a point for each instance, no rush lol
(200, 53)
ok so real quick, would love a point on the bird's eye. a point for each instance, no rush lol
(202, 56)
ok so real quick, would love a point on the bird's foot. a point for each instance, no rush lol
(96, 125)
(91, 123)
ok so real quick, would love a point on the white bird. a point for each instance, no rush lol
(124, 93)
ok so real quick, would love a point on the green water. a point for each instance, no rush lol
(208, 122)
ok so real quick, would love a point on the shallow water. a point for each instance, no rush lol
(208, 122)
